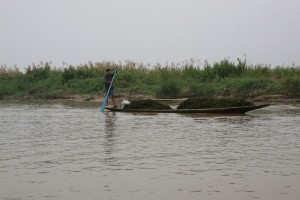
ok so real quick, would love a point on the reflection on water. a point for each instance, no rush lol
(110, 137)
(60, 152)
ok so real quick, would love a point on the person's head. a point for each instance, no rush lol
(107, 70)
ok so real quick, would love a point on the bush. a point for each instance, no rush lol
(86, 86)
(226, 69)
(168, 90)
(201, 89)
(38, 73)
(68, 74)
(247, 87)
(291, 86)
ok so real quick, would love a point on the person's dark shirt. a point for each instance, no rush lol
(108, 78)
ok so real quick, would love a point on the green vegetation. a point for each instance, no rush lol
(147, 104)
(224, 78)
(210, 102)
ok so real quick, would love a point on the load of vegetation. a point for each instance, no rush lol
(213, 102)
(147, 104)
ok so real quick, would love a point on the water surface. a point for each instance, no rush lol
(52, 151)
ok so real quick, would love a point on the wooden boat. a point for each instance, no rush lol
(229, 110)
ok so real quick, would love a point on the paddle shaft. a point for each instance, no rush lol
(106, 97)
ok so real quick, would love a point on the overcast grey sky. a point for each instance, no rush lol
(149, 31)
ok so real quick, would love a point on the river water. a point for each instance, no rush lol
(54, 151)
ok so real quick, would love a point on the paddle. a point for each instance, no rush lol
(105, 100)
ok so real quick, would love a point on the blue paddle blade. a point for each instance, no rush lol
(104, 104)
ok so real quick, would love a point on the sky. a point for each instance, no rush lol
(74, 32)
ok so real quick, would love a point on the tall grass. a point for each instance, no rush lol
(224, 78)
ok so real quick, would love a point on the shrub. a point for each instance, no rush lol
(68, 74)
(248, 87)
(86, 86)
(225, 69)
(291, 86)
(168, 90)
(193, 89)
(38, 73)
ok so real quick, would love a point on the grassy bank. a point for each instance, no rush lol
(224, 78)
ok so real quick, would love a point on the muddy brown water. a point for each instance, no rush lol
(53, 151)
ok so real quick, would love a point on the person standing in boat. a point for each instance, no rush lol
(108, 78)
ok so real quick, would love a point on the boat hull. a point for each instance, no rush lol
(228, 110)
